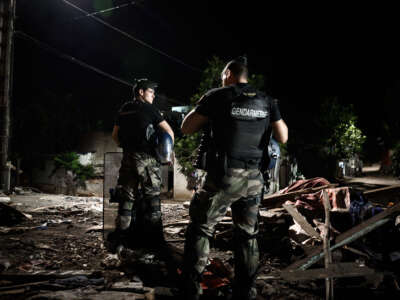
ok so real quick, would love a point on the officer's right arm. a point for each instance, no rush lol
(193, 122)
(165, 126)
(115, 134)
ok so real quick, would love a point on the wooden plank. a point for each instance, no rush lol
(375, 192)
(356, 251)
(347, 237)
(334, 271)
(175, 241)
(180, 223)
(327, 245)
(301, 220)
(44, 275)
(350, 239)
(268, 277)
(18, 286)
(13, 292)
(275, 199)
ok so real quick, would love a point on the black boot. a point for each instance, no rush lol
(116, 239)
(190, 284)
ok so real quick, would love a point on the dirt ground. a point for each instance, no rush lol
(64, 235)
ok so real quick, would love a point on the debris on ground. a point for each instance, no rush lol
(59, 252)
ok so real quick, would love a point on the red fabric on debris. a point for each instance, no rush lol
(215, 275)
(305, 184)
(339, 197)
(212, 281)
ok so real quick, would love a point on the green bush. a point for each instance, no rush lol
(70, 162)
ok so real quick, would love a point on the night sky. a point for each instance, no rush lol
(306, 53)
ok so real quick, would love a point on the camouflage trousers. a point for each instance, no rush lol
(139, 186)
(241, 190)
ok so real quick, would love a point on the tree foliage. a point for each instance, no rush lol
(347, 140)
(326, 133)
(339, 124)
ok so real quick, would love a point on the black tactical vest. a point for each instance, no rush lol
(241, 135)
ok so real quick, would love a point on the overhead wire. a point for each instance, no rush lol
(77, 61)
(69, 57)
(105, 10)
(112, 27)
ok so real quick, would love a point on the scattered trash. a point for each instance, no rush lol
(44, 247)
(79, 281)
(43, 226)
(128, 286)
(363, 235)
(361, 209)
(4, 199)
(111, 261)
(28, 216)
(147, 258)
(14, 230)
(86, 293)
(4, 264)
(174, 230)
(96, 228)
(394, 256)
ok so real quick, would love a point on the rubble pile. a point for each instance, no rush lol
(317, 240)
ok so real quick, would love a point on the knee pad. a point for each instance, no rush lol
(123, 222)
(152, 209)
(125, 197)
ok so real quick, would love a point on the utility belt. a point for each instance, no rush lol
(210, 158)
(248, 163)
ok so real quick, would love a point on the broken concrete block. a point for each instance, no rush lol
(4, 199)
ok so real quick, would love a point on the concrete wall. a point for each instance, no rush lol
(98, 142)
(61, 182)
(42, 179)
(181, 193)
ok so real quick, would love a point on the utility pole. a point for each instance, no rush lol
(7, 13)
